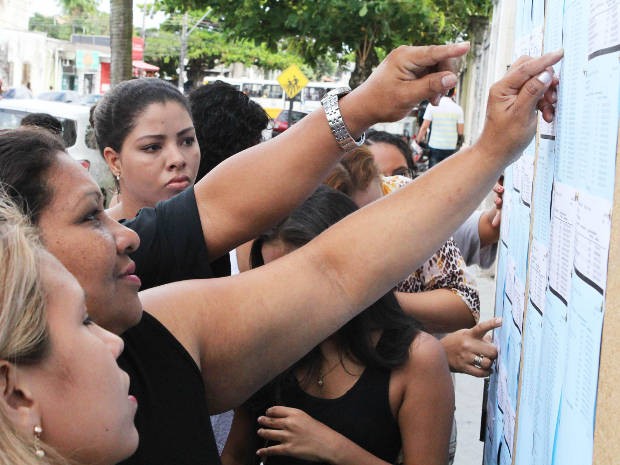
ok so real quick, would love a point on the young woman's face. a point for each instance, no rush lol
(81, 394)
(160, 156)
(93, 247)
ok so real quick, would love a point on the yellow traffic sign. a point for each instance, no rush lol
(292, 81)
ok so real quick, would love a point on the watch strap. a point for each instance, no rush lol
(335, 121)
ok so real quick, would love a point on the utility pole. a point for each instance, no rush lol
(184, 35)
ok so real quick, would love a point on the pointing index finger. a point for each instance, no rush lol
(484, 327)
(438, 55)
(519, 75)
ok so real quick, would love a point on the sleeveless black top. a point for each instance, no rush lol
(362, 414)
(172, 417)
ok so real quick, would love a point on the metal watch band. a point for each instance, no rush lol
(335, 121)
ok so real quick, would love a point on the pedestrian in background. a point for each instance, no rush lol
(446, 125)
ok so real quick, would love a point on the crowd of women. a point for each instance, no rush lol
(311, 345)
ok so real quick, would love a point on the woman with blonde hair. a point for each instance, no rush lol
(55, 360)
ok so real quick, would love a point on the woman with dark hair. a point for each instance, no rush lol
(206, 345)
(372, 387)
(55, 360)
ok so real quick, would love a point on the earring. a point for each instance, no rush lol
(118, 177)
(37, 431)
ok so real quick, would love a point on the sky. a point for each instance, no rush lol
(50, 8)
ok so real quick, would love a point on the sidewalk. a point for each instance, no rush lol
(469, 389)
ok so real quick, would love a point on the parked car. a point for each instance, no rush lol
(77, 133)
(66, 96)
(280, 124)
(89, 99)
(17, 93)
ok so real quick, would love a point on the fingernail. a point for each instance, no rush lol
(559, 51)
(449, 80)
(545, 77)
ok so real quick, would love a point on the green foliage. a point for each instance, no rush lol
(78, 7)
(50, 25)
(208, 47)
(319, 28)
(62, 27)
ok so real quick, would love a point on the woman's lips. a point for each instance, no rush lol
(178, 183)
(130, 276)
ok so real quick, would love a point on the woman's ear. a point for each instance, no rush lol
(16, 399)
(113, 159)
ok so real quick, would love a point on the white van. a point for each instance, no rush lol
(76, 132)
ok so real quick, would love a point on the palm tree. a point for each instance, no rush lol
(121, 28)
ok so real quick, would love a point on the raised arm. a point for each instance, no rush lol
(250, 192)
(245, 329)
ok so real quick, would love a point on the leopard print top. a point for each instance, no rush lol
(445, 270)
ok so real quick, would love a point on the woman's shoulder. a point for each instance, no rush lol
(426, 368)
(427, 358)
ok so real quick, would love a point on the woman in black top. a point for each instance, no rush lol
(235, 334)
(372, 387)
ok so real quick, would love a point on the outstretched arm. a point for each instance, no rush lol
(244, 330)
(251, 191)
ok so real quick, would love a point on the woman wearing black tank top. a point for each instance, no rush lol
(374, 386)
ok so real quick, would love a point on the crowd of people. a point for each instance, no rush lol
(117, 343)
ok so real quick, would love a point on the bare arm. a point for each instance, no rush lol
(425, 415)
(423, 130)
(272, 178)
(245, 329)
(460, 127)
(439, 310)
(490, 220)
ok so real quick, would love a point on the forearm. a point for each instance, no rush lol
(422, 132)
(488, 233)
(439, 310)
(261, 185)
(243, 331)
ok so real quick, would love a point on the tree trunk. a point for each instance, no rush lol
(363, 66)
(121, 28)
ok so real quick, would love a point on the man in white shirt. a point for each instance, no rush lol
(446, 124)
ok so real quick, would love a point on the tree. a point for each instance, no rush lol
(316, 28)
(208, 47)
(78, 7)
(80, 16)
(121, 28)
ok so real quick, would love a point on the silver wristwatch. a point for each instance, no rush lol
(334, 119)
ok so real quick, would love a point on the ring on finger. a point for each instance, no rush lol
(478, 360)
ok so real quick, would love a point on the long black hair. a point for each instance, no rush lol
(321, 210)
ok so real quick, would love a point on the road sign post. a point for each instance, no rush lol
(292, 81)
